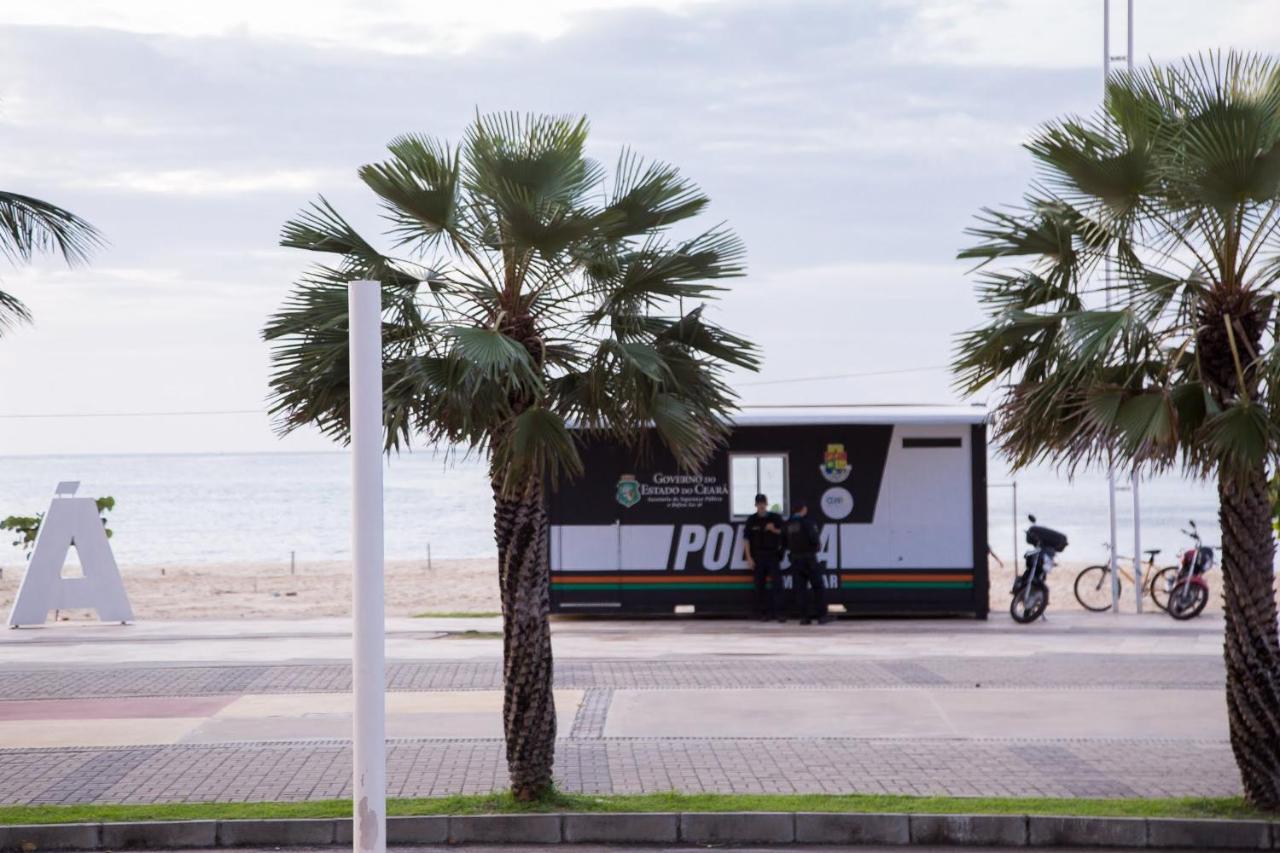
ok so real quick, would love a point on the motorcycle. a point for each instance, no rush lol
(1030, 589)
(1183, 588)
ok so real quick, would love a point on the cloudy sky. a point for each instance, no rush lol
(849, 143)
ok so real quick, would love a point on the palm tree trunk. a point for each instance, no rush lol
(529, 712)
(1252, 649)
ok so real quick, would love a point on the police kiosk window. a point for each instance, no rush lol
(753, 473)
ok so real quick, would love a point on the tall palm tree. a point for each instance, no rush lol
(536, 295)
(29, 226)
(1172, 360)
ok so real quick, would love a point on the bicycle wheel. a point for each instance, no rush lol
(1187, 601)
(1093, 588)
(1161, 584)
(1030, 603)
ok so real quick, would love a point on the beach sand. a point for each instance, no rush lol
(269, 591)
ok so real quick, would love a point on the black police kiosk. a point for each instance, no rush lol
(899, 494)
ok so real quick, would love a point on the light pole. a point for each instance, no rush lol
(1137, 510)
(1137, 545)
(1111, 471)
(368, 660)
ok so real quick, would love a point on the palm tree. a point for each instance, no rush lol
(536, 296)
(1172, 359)
(29, 226)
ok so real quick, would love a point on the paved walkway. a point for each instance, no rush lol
(1093, 706)
(446, 639)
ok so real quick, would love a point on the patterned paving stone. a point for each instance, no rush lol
(591, 763)
(1075, 772)
(95, 777)
(592, 713)
(912, 672)
(421, 768)
(1039, 671)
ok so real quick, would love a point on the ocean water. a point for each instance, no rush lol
(205, 508)
(1079, 508)
(211, 508)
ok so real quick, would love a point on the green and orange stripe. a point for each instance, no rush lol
(656, 580)
(903, 580)
(742, 580)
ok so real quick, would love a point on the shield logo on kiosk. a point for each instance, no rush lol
(835, 464)
(628, 493)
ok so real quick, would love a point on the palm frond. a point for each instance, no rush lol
(419, 188)
(497, 358)
(536, 444)
(1238, 438)
(29, 226)
(649, 196)
(12, 312)
(310, 359)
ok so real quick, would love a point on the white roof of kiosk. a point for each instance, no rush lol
(900, 414)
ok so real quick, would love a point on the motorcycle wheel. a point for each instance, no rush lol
(1093, 588)
(1029, 604)
(1187, 602)
(1161, 583)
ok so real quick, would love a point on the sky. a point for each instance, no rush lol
(848, 143)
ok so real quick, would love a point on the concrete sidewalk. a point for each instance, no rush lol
(663, 639)
(920, 713)
(1091, 705)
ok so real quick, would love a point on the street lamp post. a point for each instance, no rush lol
(1111, 471)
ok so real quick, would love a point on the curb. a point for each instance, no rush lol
(702, 828)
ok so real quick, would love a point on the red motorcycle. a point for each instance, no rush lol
(1181, 590)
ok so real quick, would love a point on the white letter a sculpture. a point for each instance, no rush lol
(71, 522)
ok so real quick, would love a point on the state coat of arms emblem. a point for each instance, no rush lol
(628, 493)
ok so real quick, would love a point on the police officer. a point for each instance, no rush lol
(803, 541)
(762, 543)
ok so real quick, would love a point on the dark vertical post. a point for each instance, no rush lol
(981, 581)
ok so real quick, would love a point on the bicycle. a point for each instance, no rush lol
(1093, 584)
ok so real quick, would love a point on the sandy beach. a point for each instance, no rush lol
(269, 591)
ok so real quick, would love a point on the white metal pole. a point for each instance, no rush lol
(1106, 45)
(1115, 575)
(1014, 554)
(368, 662)
(1137, 509)
(1137, 545)
(1128, 53)
(1111, 471)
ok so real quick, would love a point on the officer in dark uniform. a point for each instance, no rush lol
(762, 542)
(803, 541)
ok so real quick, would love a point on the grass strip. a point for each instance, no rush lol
(1186, 807)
